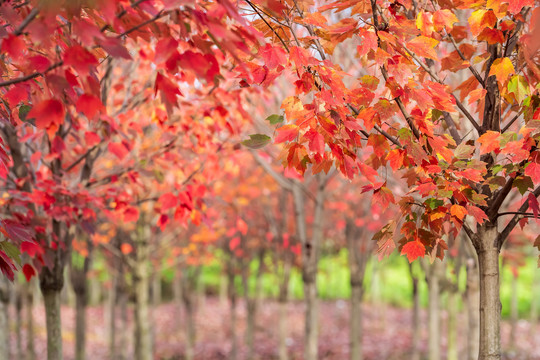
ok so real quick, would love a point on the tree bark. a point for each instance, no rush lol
(232, 304)
(283, 299)
(452, 309)
(473, 305)
(19, 297)
(358, 252)
(29, 298)
(490, 304)
(416, 335)
(143, 336)
(514, 313)
(189, 281)
(51, 300)
(111, 314)
(434, 274)
(79, 275)
(5, 286)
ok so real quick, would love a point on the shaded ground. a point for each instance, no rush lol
(387, 333)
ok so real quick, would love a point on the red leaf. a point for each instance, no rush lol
(92, 138)
(80, 59)
(233, 244)
(241, 226)
(533, 204)
(168, 90)
(118, 149)
(131, 214)
(28, 271)
(168, 201)
(286, 133)
(16, 231)
(13, 45)
(533, 170)
(31, 248)
(413, 250)
(115, 48)
(163, 221)
(47, 113)
(126, 248)
(6, 266)
(89, 105)
(478, 214)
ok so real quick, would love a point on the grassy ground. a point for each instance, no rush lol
(387, 281)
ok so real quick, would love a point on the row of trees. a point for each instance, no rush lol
(86, 142)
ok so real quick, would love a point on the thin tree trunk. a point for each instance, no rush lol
(189, 281)
(452, 308)
(143, 336)
(473, 303)
(416, 335)
(283, 300)
(434, 274)
(4, 317)
(29, 298)
(232, 306)
(358, 251)
(490, 304)
(251, 304)
(111, 314)
(124, 335)
(311, 325)
(19, 295)
(223, 291)
(51, 300)
(80, 327)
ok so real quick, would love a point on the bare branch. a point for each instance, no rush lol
(515, 220)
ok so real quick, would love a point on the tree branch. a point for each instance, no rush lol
(514, 221)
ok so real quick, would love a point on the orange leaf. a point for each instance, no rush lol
(423, 46)
(286, 133)
(502, 68)
(413, 250)
(533, 170)
(489, 141)
(458, 211)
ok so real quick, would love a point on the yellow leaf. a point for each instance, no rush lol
(502, 68)
(423, 46)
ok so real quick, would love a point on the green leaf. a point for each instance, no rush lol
(523, 184)
(518, 86)
(433, 203)
(12, 251)
(495, 169)
(464, 151)
(256, 141)
(275, 119)
(23, 111)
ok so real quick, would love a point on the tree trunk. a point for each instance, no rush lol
(29, 298)
(473, 303)
(51, 300)
(189, 281)
(5, 287)
(355, 323)
(490, 304)
(452, 308)
(143, 336)
(111, 314)
(80, 326)
(19, 296)
(232, 304)
(251, 303)
(283, 299)
(358, 250)
(124, 335)
(311, 325)
(223, 291)
(434, 274)
(416, 335)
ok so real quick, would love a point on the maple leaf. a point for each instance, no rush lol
(489, 141)
(28, 271)
(31, 248)
(89, 105)
(257, 141)
(478, 214)
(533, 170)
(533, 204)
(502, 68)
(423, 46)
(458, 211)
(413, 249)
(118, 149)
(47, 113)
(168, 90)
(286, 133)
